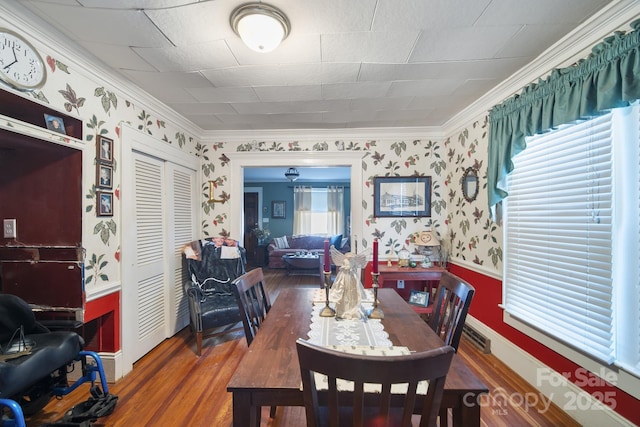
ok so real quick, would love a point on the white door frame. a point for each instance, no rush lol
(245, 159)
(134, 140)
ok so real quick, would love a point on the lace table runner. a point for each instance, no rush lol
(360, 336)
(328, 331)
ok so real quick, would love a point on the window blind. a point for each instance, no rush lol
(558, 237)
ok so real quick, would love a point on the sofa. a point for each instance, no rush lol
(291, 244)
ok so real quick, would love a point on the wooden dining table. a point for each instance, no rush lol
(269, 375)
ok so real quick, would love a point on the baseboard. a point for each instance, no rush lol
(577, 403)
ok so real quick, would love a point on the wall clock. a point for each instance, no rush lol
(21, 66)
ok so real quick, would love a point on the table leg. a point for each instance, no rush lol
(467, 413)
(245, 415)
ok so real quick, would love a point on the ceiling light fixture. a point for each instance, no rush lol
(292, 174)
(261, 27)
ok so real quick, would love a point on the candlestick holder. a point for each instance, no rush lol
(327, 311)
(375, 312)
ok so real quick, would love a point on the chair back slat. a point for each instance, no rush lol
(450, 308)
(253, 301)
(358, 406)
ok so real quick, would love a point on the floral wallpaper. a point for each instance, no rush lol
(76, 92)
(465, 228)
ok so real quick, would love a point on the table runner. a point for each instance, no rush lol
(328, 331)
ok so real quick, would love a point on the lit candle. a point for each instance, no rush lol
(375, 256)
(327, 259)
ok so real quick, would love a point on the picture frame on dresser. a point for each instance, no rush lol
(419, 298)
(55, 123)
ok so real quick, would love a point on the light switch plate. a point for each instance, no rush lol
(400, 284)
(9, 228)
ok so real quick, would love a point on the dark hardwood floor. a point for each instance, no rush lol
(171, 386)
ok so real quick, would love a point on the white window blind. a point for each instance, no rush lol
(558, 237)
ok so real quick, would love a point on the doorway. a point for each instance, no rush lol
(242, 160)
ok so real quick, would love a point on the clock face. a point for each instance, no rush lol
(425, 237)
(20, 64)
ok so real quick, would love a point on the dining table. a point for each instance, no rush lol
(269, 374)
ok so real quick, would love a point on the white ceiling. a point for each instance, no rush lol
(345, 64)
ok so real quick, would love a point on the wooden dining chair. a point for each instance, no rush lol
(334, 406)
(253, 301)
(450, 308)
(254, 304)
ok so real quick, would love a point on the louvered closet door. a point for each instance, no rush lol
(182, 222)
(150, 272)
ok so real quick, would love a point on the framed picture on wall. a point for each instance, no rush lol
(279, 209)
(104, 149)
(104, 203)
(104, 176)
(402, 196)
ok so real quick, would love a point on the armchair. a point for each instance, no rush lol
(212, 265)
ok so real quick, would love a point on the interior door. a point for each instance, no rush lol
(182, 227)
(251, 212)
(150, 271)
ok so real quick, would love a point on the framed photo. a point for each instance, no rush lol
(419, 298)
(279, 209)
(402, 196)
(55, 123)
(104, 203)
(104, 149)
(104, 176)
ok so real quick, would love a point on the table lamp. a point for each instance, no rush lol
(427, 241)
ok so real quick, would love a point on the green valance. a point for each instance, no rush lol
(608, 78)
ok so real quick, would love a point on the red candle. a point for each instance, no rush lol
(327, 257)
(375, 256)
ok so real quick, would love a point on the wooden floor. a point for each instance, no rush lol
(171, 386)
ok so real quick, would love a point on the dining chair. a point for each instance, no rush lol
(253, 301)
(344, 404)
(254, 304)
(450, 308)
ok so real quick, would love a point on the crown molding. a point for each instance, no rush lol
(615, 16)
(76, 56)
(315, 135)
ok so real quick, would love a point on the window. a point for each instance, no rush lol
(572, 237)
(318, 210)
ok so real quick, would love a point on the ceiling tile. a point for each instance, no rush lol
(107, 26)
(463, 44)
(423, 87)
(288, 93)
(355, 90)
(420, 15)
(223, 94)
(197, 17)
(194, 58)
(389, 47)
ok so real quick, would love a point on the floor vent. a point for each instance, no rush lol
(479, 340)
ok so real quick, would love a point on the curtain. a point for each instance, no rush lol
(335, 210)
(301, 209)
(608, 78)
